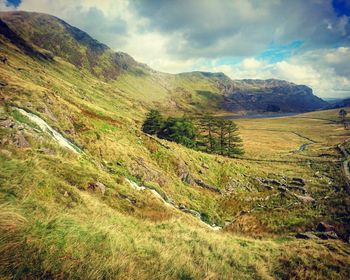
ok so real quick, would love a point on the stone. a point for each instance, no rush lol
(46, 151)
(328, 235)
(306, 235)
(7, 123)
(206, 186)
(98, 186)
(4, 59)
(20, 141)
(323, 227)
(305, 199)
(184, 174)
(298, 181)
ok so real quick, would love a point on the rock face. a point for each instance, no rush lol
(274, 96)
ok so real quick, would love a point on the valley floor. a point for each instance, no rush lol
(54, 227)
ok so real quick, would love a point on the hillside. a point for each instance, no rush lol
(86, 195)
(47, 37)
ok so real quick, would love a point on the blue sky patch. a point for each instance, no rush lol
(13, 2)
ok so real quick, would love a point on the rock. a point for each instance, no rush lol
(4, 59)
(305, 199)
(20, 141)
(298, 181)
(7, 123)
(184, 174)
(98, 186)
(323, 227)
(46, 151)
(328, 235)
(306, 235)
(206, 186)
(182, 207)
(192, 212)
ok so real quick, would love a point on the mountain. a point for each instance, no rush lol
(85, 194)
(270, 96)
(339, 103)
(46, 37)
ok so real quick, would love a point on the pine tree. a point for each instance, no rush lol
(153, 123)
(219, 136)
(180, 130)
(234, 142)
(206, 139)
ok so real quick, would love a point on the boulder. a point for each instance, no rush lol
(328, 235)
(306, 235)
(98, 186)
(323, 227)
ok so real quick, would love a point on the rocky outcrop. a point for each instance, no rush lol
(262, 96)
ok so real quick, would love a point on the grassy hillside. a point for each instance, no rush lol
(82, 215)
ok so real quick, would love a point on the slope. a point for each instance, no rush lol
(93, 214)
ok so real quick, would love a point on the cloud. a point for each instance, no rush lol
(302, 41)
(325, 70)
(5, 6)
(243, 28)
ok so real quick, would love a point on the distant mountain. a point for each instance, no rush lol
(270, 96)
(50, 39)
(339, 103)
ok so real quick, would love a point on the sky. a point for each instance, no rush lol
(302, 41)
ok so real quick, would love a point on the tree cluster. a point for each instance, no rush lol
(219, 136)
(208, 134)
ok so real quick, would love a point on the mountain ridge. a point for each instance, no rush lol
(58, 38)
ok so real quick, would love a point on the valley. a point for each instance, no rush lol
(85, 194)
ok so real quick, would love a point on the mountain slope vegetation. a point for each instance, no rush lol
(128, 205)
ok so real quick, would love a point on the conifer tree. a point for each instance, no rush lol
(153, 123)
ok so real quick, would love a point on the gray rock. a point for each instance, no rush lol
(206, 186)
(20, 141)
(328, 235)
(98, 186)
(306, 235)
(7, 123)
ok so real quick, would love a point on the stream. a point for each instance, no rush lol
(45, 127)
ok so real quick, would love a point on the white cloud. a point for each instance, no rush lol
(176, 36)
(4, 6)
(326, 70)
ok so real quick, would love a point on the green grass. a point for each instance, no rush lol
(52, 225)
